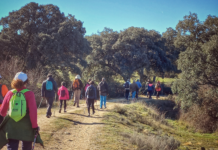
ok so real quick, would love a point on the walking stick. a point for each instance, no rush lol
(40, 103)
(34, 141)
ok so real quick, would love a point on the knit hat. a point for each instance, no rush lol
(77, 77)
(21, 76)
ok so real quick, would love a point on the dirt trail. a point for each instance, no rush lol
(79, 131)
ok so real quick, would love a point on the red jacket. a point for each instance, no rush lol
(31, 105)
(66, 97)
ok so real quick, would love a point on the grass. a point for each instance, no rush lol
(137, 126)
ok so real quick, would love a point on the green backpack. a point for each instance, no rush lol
(18, 106)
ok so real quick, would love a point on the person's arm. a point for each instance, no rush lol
(5, 105)
(72, 86)
(4, 90)
(68, 97)
(58, 92)
(31, 105)
(86, 91)
(43, 90)
(95, 94)
(55, 86)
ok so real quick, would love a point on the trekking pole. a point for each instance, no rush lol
(34, 141)
(40, 103)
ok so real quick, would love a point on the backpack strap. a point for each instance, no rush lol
(22, 91)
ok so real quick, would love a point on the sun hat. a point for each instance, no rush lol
(77, 77)
(21, 76)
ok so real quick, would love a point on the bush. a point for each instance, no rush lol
(154, 142)
(35, 76)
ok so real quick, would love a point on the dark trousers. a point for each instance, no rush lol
(127, 94)
(50, 101)
(150, 93)
(1, 119)
(90, 103)
(137, 93)
(65, 104)
(14, 144)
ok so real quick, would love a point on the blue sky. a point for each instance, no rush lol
(121, 14)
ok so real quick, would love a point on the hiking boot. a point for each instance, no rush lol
(65, 111)
(74, 104)
(89, 115)
(93, 112)
(48, 116)
(59, 110)
(77, 106)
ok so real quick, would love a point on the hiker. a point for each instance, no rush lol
(134, 87)
(150, 89)
(158, 89)
(91, 96)
(146, 87)
(139, 85)
(87, 84)
(127, 89)
(103, 91)
(48, 91)
(63, 94)
(21, 122)
(77, 87)
(3, 92)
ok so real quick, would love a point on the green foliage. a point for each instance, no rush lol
(42, 34)
(198, 62)
(127, 51)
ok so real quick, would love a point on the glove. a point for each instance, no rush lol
(36, 130)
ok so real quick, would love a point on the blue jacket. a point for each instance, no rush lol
(139, 84)
(150, 88)
(45, 93)
(95, 94)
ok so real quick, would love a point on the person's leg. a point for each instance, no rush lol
(93, 106)
(104, 98)
(133, 95)
(61, 102)
(13, 144)
(50, 103)
(101, 101)
(79, 93)
(137, 93)
(65, 105)
(89, 104)
(74, 93)
(127, 94)
(26, 145)
(150, 93)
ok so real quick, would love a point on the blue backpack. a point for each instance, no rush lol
(49, 86)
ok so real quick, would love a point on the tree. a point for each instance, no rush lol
(128, 51)
(42, 34)
(199, 61)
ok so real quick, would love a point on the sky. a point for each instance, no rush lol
(120, 14)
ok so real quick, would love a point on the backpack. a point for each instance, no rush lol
(91, 92)
(76, 84)
(102, 87)
(18, 107)
(150, 87)
(126, 85)
(157, 86)
(63, 93)
(49, 85)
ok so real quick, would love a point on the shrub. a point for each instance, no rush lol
(154, 142)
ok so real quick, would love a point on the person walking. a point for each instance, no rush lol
(87, 84)
(127, 89)
(48, 91)
(3, 92)
(134, 87)
(20, 123)
(158, 89)
(77, 87)
(150, 88)
(63, 94)
(146, 87)
(103, 91)
(139, 85)
(91, 96)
